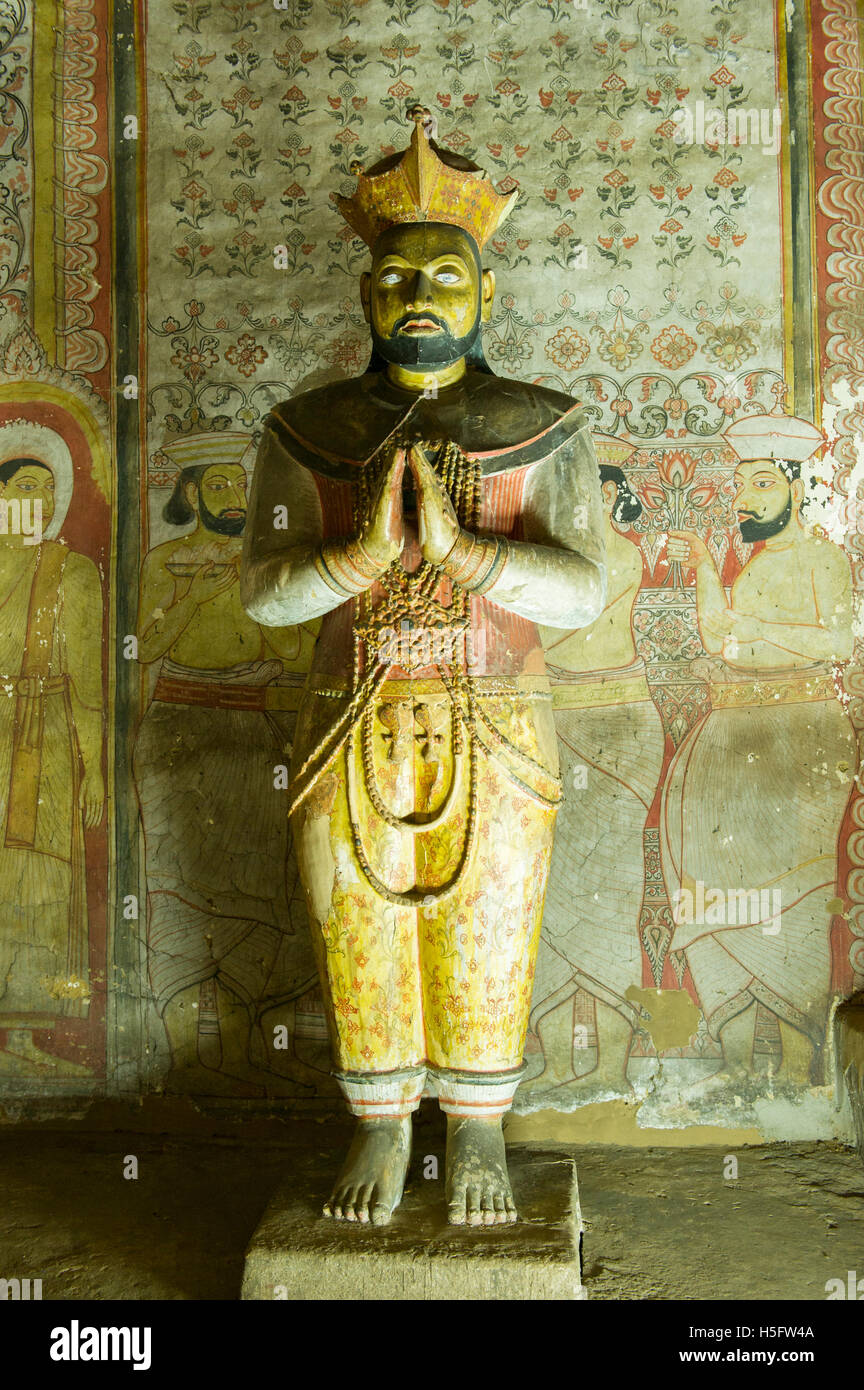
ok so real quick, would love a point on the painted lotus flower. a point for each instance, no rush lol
(568, 349)
(673, 347)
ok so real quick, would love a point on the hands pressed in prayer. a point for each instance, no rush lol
(437, 521)
(383, 536)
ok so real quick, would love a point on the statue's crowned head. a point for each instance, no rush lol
(426, 215)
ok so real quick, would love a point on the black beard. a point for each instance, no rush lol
(221, 525)
(755, 530)
(432, 349)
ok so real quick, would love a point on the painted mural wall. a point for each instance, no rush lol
(685, 252)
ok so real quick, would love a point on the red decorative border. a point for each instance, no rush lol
(82, 192)
(839, 214)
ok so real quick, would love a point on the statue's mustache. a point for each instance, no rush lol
(417, 317)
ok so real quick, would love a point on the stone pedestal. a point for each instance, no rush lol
(296, 1253)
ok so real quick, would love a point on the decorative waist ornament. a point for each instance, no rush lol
(434, 514)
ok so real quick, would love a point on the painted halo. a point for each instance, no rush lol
(27, 439)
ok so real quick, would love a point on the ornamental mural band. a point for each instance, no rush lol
(667, 280)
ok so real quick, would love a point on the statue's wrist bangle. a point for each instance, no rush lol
(475, 563)
(346, 567)
(457, 562)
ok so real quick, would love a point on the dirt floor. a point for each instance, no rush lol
(660, 1224)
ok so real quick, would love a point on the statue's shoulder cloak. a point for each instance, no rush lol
(504, 424)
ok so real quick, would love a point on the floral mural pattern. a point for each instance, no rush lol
(627, 250)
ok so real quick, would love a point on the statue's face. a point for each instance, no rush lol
(32, 483)
(222, 499)
(426, 294)
(764, 499)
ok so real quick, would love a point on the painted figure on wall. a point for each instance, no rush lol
(437, 515)
(756, 793)
(51, 745)
(227, 933)
(610, 743)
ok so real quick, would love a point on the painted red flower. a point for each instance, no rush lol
(246, 355)
(568, 349)
(673, 347)
(652, 496)
(676, 468)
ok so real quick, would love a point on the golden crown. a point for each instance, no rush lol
(424, 184)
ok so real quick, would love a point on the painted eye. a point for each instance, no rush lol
(447, 277)
(390, 277)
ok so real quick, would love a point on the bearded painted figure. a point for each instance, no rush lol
(433, 514)
(783, 740)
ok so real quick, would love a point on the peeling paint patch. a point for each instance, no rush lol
(668, 1015)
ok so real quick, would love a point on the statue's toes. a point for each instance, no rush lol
(333, 1207)
(473, 1206)
(381, 1214)
(456, 1213)
(349, 1204)
(361, 1205)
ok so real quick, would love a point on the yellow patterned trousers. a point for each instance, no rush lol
(425, 879)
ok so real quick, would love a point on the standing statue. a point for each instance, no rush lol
(436, 514)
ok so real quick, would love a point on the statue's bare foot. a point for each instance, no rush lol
(478, 1187)
(371, 1182)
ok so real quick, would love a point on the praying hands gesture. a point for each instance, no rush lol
(382, 538)
(437, 521)
(384, 534)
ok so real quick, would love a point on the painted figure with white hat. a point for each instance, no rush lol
(756, 794)
(227, 936)
(610, 746)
